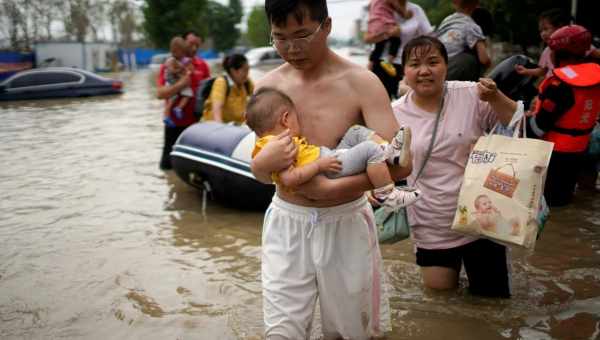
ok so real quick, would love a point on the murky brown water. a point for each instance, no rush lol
(97, 243)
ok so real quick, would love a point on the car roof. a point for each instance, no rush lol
(54, 69)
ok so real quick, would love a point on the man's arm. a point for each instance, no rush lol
(277, 155)
(163, 91)
(482, 55)
(295, 176)
(378, 116)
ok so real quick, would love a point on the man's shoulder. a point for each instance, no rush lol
(356, 74)
(273, 77)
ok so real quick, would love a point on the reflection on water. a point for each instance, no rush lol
(97, 243)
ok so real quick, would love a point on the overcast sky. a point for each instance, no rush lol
(342, 12)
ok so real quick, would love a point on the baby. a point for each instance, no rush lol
(490, 219)
(176, 66)
(381, 21)
(271, 112)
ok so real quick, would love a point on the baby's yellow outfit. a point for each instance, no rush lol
(307, 153)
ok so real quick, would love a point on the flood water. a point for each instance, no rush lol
(98, 243)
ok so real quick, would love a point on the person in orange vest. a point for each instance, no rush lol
(566, 110)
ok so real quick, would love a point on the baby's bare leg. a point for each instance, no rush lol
(379, 175)
(183, 102)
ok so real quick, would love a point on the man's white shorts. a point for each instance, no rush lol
(329, 253)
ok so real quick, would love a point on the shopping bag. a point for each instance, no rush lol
(500, 197)
(392, 226)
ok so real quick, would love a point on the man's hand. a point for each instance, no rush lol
(487, 89)
(329, 164)
(277, 155)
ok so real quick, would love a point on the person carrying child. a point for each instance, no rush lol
(567, 109)
(271, 112)
(176, 66)
(465, 42)
(382, 22)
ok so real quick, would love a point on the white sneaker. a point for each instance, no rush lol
(400, 197)
(399, 147)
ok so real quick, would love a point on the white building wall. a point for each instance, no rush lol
(66, 54)
(88, 56)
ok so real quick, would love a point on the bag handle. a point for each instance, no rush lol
(513, 168)
(434, 133)
(517, 121)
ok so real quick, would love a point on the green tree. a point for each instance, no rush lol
(237, 9)
(164, 19)
(222, 23)
(259, 31)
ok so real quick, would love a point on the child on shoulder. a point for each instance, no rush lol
(176, 67)
(381, 21)
(271, 112)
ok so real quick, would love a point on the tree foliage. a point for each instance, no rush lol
(164, 19)
(222, 23)
(259, 31)
(515, 21)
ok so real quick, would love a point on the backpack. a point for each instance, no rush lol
(204, 90)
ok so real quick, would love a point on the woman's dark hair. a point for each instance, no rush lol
(423, 43)
(234, 61)
(556, 16)
(279, 10)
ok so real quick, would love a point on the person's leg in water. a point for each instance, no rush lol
(171, 135)
(393, 48)
(167, 114)
(376, 54)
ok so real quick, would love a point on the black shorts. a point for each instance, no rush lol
(485, 264)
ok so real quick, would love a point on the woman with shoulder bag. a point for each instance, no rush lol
(452, 114)
(229, 93)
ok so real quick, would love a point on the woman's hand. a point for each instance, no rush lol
(487, 89)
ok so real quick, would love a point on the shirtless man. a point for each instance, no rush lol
(320, 239)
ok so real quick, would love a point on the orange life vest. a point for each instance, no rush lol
(571, 133)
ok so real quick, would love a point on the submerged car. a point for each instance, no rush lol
(57, 82)
(263, 56)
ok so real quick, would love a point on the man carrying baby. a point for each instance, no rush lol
(319, 241)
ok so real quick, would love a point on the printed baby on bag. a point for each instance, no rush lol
(502, 188)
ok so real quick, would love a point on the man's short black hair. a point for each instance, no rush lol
(279, 10)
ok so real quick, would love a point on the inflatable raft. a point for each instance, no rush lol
(215, 157)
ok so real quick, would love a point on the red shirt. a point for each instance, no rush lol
(201, 72)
